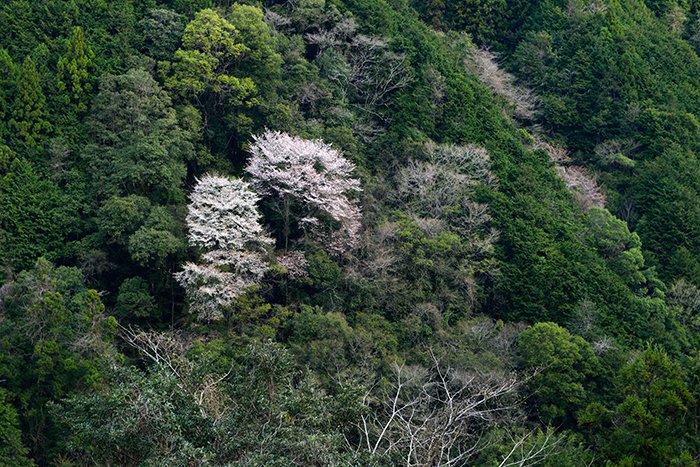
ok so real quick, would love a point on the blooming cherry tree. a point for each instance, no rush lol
(315, 177)
(223, 219)
(295, 264)
(223, 214)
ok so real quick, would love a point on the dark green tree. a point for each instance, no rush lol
(75, 70)
(157, 240)
(30, 218)
(562, 363)
(138, 146)
(620, 247)
(12, 451)
(174, 420)
(649, 426)
(161, 31)
(119, 217)
(56, 338)
(29, 116)
(8, 82)
(135, 299)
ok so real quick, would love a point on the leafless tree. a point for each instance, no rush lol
(276, 21)
(685, 298)
(583, 185)
(557, 154)
(585, 318)
(676, 19)
(341, 33)
(602, 345)
(324, 39)
(524, 454)
(376, 256)
(436, 82)
(579, 181)
(366, 128)
(376, 71)
(440, 188)
(586, 7)
(627, 211)
(695, 38)
(310, 94)
(617, 152)
(167, 350)
(485, 64)
(364, 68)
(486, 334)
(429, 188)
(436, 415)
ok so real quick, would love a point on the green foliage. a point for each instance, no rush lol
(152, 247)
(435, 266)
(12, 452)
(161, 31)
(467, 269)
(328, 344)
(667, 222)
(138, 146)
(56, 340)
(119, 217)
(647, 426)
(30, 219)
(548, 268)
(167, 425)
(620, 247)
(631, 77)
(111, 426)
(8, 76)
(210, 46)
(75, 70)
(6, 156)
(561, 363)
(29, 116)
(550, 448)
(134, 299)
(260, 60)
(156, 240)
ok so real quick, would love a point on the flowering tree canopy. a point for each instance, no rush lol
(223, 218)
(214, 283)
(312, 174)
(223, 214)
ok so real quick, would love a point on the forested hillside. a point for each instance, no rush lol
(350, 232)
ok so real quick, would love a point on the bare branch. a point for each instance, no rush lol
(436, 416)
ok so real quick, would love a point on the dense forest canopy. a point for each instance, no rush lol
(350, 232)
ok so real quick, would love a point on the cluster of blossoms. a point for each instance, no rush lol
(313, 175)
(224, 220)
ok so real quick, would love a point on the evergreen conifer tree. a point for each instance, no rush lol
(74, 70)
(30, 119)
